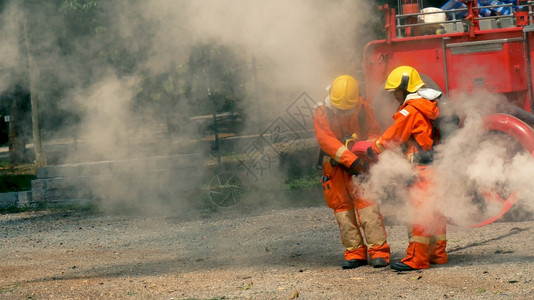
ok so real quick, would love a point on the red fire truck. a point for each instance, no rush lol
(462, 55)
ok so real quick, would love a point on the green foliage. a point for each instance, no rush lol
(82, 17)
(165, 91)
(64, 209)
(182, 88)
(216, 78)
(84, 6)
(81, 43)
(307, 181)
(16, 178)
(15, 183)
(78, 42)
(87, 31)
(9, 288)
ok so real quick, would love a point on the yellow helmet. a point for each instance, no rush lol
(404, 77)
(345, 92)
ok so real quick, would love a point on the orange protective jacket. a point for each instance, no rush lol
(413, 123)
(332, 131)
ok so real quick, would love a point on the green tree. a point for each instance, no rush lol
(71, 44)
(165, 95)
(19, 129)
(216, 78)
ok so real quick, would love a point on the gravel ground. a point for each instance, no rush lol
(277, 254)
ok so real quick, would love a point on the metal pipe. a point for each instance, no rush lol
(529, 3)
(526, 39)
(215, 128)
(445, 71)
(488, 42)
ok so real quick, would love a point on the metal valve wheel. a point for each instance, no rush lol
(225, 189)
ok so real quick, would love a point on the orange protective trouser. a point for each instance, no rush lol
(428, 238)
(349, 210)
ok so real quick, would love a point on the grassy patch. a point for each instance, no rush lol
(23, 169)
(306, 181)
(16, 178)
(8, 288)
(15, 183)
(67, 207)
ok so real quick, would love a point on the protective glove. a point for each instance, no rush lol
(365, 150)
(370, 156)
(359, 166)
(360, 147)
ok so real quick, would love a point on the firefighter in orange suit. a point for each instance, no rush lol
(341, 120)
(414, 133)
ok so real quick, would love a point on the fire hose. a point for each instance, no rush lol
(524, 135)
(517, 112)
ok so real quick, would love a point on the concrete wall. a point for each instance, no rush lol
(78, 182)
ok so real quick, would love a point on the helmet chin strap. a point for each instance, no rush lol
(403, 97)
(404, 82)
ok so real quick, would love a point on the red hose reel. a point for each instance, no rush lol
(524, 135)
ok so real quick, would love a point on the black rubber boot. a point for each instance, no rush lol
(400, 266)
(379, 262)
(353, 263)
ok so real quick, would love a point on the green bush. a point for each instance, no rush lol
(15, 183)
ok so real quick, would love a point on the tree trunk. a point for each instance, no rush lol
(17, 145)
(40, 160)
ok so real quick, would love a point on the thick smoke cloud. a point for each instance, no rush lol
(293, 38)
(474, 170)
(108, 123)
(11, 53)
(289, 47)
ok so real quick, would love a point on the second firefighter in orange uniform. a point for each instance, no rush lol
(414, 133)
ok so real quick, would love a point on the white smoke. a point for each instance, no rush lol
(108, 125)
(297, 45)
(474, 170)
(12, 54)
(289, 47)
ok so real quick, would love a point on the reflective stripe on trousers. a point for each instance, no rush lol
(372, 226)
(428, 240)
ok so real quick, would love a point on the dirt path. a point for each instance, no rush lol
(278, 254)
